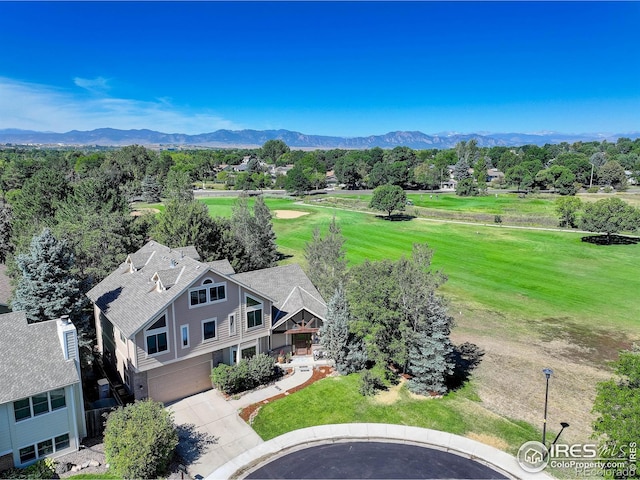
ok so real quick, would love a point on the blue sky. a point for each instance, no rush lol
(329, 68)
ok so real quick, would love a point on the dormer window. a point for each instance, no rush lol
(208, 293)
(156, 336)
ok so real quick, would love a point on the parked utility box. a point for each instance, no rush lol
(103, 388)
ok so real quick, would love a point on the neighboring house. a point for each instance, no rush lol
(41, 403)
(164, 319)
(494, 174)
(5, 290)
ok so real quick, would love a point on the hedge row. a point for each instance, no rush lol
(246, 374)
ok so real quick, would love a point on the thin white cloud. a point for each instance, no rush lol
(98, 84)
(31, 106)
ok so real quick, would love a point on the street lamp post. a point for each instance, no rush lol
(563, 425)
(547, 373)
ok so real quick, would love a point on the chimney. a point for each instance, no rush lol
(68, 338)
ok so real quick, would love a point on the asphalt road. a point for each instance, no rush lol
(376, 460)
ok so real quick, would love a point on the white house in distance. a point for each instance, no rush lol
(41, 403)
(164, 319)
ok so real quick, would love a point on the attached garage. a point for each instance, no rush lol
(180, 379)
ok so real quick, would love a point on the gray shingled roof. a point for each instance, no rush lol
(31, 358)
(222, 266)
(130, 300)
(5, 286)
(290, 288)
(189, 251)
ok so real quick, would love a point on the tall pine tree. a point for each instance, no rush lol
(334, 333)
(47, 289)
(327, 260)
(255, 233)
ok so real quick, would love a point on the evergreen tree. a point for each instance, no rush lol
(150, 189)
(6, 228)
(265, 236)
(326, 259)
(334, 333)
(47, 289)
(255, 233)
(430, 354)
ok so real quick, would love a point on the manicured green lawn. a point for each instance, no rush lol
(336, 400)
(523, 274)
(504, 203)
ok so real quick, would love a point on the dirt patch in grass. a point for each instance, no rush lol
(318, 374)
(509, 379)
(489, 440)
(144, 211)
(288, 214)
(393, 394)
(586, 344)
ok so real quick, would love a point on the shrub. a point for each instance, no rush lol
(369, 383)
(593, 189)
(140, 439)
(42, 469)
(246, 374)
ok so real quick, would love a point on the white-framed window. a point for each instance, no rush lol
(254, 312)
(207, 293)
(248, 352)
(156, 337)
(232, 324)
(209, 329)
(39, 404)
(184, 336)
(122, 338)
(43, 448)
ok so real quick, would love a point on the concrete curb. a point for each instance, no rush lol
(252, 459)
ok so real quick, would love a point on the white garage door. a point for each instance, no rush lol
(180, 379)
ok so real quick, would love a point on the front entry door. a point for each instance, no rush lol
(302, 343)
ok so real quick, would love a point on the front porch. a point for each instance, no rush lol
(297, 336)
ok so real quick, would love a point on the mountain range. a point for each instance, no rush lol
(256, 138)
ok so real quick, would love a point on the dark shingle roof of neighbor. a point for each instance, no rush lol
(289, 287)
(32, 359)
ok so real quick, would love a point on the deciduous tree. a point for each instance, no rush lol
(272, 150)
(567, 208)
(388, 198)
(610, 215)
(617, 406)
(140, 440)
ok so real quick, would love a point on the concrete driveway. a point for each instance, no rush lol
(212, 433)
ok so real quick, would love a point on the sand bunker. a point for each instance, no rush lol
(289, 213)
(144, 211)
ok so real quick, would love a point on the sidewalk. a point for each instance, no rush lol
(302, 371)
